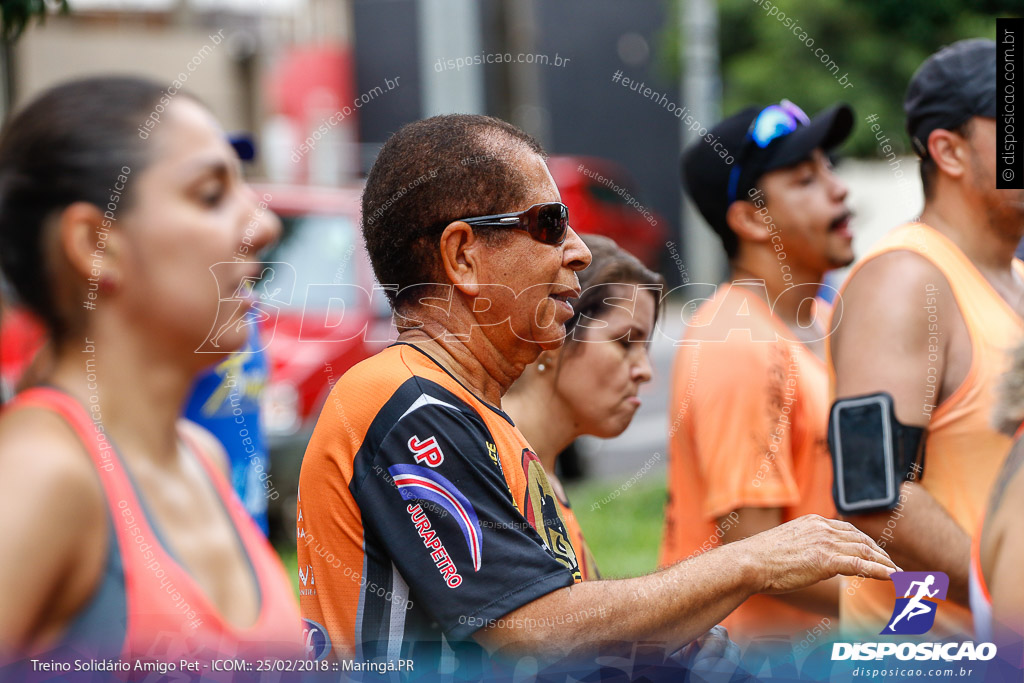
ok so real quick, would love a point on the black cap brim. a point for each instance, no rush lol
(826, 131)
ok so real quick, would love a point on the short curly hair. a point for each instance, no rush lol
(428, 174)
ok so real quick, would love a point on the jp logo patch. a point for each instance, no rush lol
(914, 612)
(426, 451)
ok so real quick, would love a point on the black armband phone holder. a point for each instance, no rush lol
(872, 453)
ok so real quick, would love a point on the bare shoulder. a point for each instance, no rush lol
(210, 448)
(1005, 507)
(892, 327)
(893, 296)
(49, 489)
(42, 461)
(54, 522)
(897, 280)
(1007, 510)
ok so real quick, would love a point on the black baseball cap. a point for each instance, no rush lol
(953, 85)
(707, 173)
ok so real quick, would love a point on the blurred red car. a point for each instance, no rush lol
(602, 199)
(21, 337)
(329, 320)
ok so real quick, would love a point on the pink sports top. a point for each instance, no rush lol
(147, 606)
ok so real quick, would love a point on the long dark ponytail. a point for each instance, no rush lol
(70, 144)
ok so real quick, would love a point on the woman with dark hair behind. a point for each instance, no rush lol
(120, 535)
(589, 385)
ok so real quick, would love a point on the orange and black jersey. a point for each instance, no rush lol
(423, 515)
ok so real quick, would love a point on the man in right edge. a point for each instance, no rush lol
(928, 316)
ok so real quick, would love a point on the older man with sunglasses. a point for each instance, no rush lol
(749, 404)
(426, 527)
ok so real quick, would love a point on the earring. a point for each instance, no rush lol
(107, 283)
(541, 367)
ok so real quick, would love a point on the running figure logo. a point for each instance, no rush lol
(914, 613)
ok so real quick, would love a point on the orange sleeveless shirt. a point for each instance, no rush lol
(963, 452)
(167, 616)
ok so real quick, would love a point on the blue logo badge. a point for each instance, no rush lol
(318, 641)
(914, 612)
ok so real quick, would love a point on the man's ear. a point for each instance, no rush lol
(461, 257)
(949, 151)
(749, 222)
(91, 248)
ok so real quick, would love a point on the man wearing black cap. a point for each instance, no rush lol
(750, 393)
(928, 318)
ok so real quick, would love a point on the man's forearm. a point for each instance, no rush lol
(680, 603)
(921, 536)
(675, 605)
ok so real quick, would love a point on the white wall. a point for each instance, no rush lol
(882, 196)
(64, 48)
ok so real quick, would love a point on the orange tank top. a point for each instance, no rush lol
(963, 452)
(167, 616)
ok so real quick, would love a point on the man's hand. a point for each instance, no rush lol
(820, 598)
(810, 549)
(679, 604)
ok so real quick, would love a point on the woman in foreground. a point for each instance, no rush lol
(121, 537)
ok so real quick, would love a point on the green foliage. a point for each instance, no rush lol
(623, 532)
(878, 45)
(290, 559)
(16, 14)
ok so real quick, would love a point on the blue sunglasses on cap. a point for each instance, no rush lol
(773, 122)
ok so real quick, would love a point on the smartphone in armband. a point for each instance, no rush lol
(872, 453)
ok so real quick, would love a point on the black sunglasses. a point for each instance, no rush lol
(546, 223)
